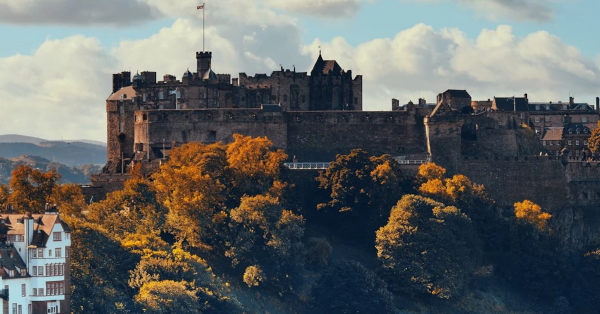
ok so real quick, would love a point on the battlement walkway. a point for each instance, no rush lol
(322, 165)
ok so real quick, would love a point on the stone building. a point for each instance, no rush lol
(134, 99)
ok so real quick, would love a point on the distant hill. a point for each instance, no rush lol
(72, 154)
(16, 138)
(79, 174)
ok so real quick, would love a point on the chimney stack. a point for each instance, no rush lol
(571, 101)
(597, 103)
(395, 104)
(526, 97)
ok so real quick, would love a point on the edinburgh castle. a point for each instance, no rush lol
(516, 148)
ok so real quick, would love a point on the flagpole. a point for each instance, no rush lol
(203, 26)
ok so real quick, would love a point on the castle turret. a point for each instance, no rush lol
(203, 60)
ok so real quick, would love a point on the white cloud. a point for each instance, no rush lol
(421, 62)
(60, 90)
(76, 12)
(319, 8)
(516, 10)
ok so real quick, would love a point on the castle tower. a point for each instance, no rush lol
(203, 60)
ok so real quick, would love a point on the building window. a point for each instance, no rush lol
(67, 249)
(14, 308)
(34, 269)
(577, 142)
(41, 291)
(547, 107)
(49, 253)
(585, 142)
(34, 253)
(577, 153)
(161, 95)
(28, 308)
(537, 107)
(34, 292)
(537, 119)
(23, 290)
(557, 142)
(56, 236)
(569, 142)
(548, 119)
(57, 253)
(40, 270)
(40, 253)
(20, 309)
(61, 288)
(583, 119)
(544, 143)
(565, 107)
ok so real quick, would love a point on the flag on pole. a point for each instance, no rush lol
(200, 7)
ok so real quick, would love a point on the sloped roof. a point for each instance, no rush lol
(507, 104)
(553, 134)
(326, 67)
(125, 93)
(10, 259)
(42, 226)
(458, 93)
(581, 126)
(209, 75)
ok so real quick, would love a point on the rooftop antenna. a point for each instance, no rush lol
(319, 50)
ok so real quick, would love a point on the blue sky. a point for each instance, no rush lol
(59, 55)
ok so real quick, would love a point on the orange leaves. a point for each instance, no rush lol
(458, 189)
(532, 213)
(431, 171)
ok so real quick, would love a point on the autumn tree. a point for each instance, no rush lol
(133, 209)
(4, 195)
(69, 199)
(268, 236)
(168, 296)
(427, 247)
(594, 140)
(31, 188)
(349, 287)
(532, 213)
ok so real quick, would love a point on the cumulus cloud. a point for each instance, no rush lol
(421, 62)
(76, 12)
(57, 91)
(60, 89)
(319, 8)
(518, 10)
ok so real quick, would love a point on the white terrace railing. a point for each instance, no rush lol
(324, 165)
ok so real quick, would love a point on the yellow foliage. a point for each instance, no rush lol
(431, 171)
(532, 213)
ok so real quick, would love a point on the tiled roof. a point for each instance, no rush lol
(553, 134)
(584, 128)
(125, 93)
(42, 226)
(10, 259)
(325, 67)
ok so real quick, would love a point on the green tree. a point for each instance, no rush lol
(99, 271)
(349, 287)
(427, 247)
(362, 189)
(167, 296)
(266, 235)
(31, 188)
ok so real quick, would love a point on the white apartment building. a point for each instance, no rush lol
(34, 263)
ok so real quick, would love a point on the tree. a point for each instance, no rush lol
(266, 235)
(594, 140)
(427, 247)
(133, 209)
(99, 270)
(349, 287)
(363, 189)
(69, 199)
(167, 296)
(4, 195)
(31, 188)
(531, 213)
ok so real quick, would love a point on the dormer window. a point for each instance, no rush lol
(578, 131)
(584, 119)
(570, 131)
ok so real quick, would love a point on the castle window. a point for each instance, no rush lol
(583, 119)
(577, 154)
(578, 131)
(577, 142)
(564, 107)
(570, 131)
(547, 107)
(537, 107)
(548, 118)
(161, 95)
(537, 119)
(569, 142)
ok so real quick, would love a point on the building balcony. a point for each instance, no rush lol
(4, 294)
